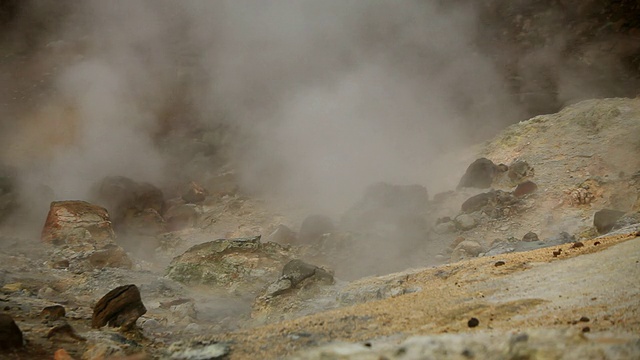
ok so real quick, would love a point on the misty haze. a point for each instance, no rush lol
(330, 171)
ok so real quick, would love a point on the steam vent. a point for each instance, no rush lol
(298, 179)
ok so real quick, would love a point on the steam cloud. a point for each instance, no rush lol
(325, 97)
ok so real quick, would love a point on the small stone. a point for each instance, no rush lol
(197, 350)
(519, 170)
(557, 253)
(10, 334)
(525, 188)
(584, 319)
(499, 263)
(530, 237)
(53, 312)
(577, 244)
(473, 322)
(586, 329)
(121, 306)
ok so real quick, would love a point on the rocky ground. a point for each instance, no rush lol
(533, 255)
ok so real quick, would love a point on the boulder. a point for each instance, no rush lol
(120, 307)
(82, 237)
(479, 174)
(244, 263)
(466, 249)
(126, 199)
(77, 223)
(605, 219)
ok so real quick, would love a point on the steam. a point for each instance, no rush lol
(326, 97)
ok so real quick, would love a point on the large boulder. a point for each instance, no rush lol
(479, 174)
(82, 236)
(240, 263)
(133, 205)
(605, 219)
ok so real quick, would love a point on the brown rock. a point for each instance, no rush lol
(194, 194)
(121, 306)
(53, 312)
(477, 202)
(530, 237)
(77, 222)
(525, 188)
(10, 334)
(519, 170)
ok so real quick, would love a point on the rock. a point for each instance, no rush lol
(10, 334)
(53, 312)
(127, 199)
(181, 216)
(465, 222)
(120, 307)
(244, 263)
(77, 223)
(83, 237)
(477, 202)
(445, 228)
(519, 170)
(525, 188)
(147, 222)
(197, 350)
(530, 236)
(466, 249)
(313, 227)
(294, 273)
(479, 174)
(605, 219)
(194, 193)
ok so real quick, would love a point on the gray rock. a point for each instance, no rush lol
(466, 249)
(605, 219)
(479, 174)
(530, 236)
(465, 222)
(197, 350)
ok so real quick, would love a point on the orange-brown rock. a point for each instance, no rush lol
(73, 222)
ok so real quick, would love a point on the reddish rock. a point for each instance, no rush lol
(76, 222)
(61, 354)
(120, 307)
(525, 188)
(53, 312)
(10, 334)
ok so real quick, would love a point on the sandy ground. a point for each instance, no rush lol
(533, 289)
